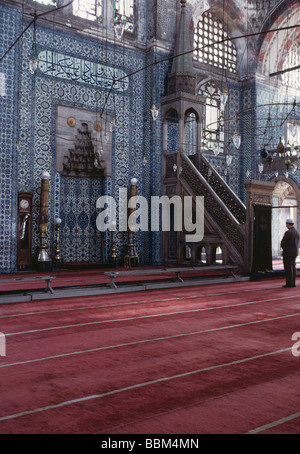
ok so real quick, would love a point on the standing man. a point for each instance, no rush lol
(289, 244)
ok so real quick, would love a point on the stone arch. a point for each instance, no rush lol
(285, 200)
(275, 45)
(171, 111)
(201, 255)
(192, 110)
(293, 184)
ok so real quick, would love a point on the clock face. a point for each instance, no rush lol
(24, 204)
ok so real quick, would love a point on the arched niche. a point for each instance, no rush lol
(190, 132)
(285, 204)
(171, 122)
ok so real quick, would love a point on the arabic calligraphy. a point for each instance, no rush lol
(79, 70)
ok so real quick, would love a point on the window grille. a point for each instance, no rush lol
(212, 44)
(213, 126)
(292, 78)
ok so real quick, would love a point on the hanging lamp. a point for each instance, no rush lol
(280, 147)
(229, 159)
(236, 139)
(293, 129)
(263, 153)
(223, 99)
(216, 149)
(154, 112)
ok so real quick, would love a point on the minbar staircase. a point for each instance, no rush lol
(224, 214)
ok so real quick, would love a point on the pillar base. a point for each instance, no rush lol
(44, 266)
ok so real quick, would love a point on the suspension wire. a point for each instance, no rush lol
(248, 35)
(36, 16)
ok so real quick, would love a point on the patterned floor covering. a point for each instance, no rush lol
(198, 360)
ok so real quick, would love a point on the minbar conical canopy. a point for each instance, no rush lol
(182, 76)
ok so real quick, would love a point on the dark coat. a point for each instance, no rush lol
(289, 243)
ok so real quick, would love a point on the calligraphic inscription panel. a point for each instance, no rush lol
(84, 71)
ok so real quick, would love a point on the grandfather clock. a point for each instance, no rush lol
(24, 233)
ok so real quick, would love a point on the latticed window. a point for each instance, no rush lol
(213, 126)
(88, 9)
(292, 78)
(212, 44)
(124, 11)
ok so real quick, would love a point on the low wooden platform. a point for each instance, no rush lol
(226, 269)
(27, 279)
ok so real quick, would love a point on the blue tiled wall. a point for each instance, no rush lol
(34, 107)
(10, 20)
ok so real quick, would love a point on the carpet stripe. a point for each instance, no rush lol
(148, 316)
(136, 302)
(144, 341)
(140, 385)
(275, 423)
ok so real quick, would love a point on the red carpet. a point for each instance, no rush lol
(213, 359)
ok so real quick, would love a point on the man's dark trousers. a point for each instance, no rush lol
(289, 264)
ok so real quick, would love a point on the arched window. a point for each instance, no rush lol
(124, 11)
(292, 60)
(292, 79)
(93, 10)
(292, 135)
(88, 9)
(213, 126)
(223, 54)
(190, 134)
